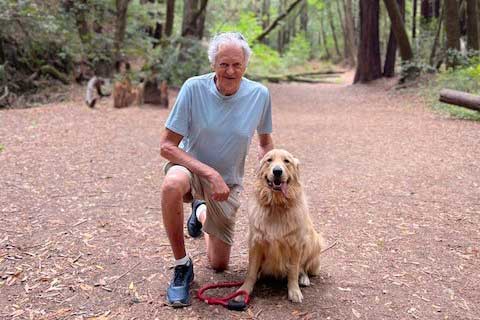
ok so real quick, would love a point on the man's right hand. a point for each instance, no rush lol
(219, 189)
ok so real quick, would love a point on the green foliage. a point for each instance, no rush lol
(248, 25)
(32, 36)
(298, 51)
(265, 60)
(317, 4)
(2, 147)
(176, 60)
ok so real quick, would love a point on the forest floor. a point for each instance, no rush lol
(394, 184)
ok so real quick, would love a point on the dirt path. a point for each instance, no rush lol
(397, 187)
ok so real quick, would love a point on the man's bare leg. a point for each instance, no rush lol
(175, 186)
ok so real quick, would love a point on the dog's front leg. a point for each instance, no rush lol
(254, 263)
(294, 293)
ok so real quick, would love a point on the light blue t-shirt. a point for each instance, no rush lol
(217, 129)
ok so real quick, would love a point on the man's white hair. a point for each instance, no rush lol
(228, 38)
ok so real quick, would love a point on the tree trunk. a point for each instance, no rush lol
(350, 32)
(437, 37)
(265, 14)
(170, 15)
(472, 25)
(368, 62)
(436, 8)
(324, 37)
(193, 18)
(426, 10)
(202, 14)
(414, 20)
(80, 10)
(399, 30)
(391, 56)
(265, 17)
(304, 17)
(341, 16)
(332, 26)
(120, 27)
(452, 28)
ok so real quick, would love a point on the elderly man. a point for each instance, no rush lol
(206, 140)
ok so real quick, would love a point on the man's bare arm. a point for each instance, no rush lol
(265, 144)
(169, 149)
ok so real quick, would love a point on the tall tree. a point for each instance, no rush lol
(80, 10)
(304, 17)
(169, 17)
(350, 48)
(120, 27)
(472, 24)
(194, 18)
(265, 18)
(436, 8)
(332, 27)
(391, 55)
(399, 30)
(426, 10)
(414, 20)
(452, 28)
(324, 35)
(368, 61)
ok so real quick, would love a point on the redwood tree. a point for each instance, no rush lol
(391, 55)
(452, 28)
(169, 17)
(368, 62)
(472, 24)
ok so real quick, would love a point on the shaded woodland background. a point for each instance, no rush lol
(47, 44)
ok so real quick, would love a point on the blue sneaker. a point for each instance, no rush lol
(194, 226)
(178, 292)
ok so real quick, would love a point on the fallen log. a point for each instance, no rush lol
(460, 98)
(297, 77)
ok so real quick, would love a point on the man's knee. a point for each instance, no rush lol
(218, 254)
(175, 186)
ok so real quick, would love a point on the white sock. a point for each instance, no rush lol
(200, 209)
(183, 261)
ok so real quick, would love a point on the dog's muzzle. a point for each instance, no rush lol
(277, 183)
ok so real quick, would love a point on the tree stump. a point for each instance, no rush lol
(156, 94)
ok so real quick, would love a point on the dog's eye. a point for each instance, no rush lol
(269, 160)
(286, 161)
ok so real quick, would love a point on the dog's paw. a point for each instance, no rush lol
(304, 280)
(295, 295)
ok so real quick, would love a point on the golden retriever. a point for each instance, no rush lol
(282, 240)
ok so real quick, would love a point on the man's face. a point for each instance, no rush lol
(229, 68)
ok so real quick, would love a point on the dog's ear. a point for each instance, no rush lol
(260, 167)
(296, 164)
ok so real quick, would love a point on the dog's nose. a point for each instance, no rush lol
(277, 171)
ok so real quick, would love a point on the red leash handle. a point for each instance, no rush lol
(227, 301)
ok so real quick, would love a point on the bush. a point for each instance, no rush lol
(176, 60)
(298, 51)
(265, 60)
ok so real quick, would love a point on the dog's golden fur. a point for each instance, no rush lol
(282, 239)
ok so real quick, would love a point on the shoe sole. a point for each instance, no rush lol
(178, 304)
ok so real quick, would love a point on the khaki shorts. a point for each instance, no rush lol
(221, 215)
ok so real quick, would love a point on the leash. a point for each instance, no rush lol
(227, 301)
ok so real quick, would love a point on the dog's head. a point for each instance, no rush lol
(278, 177)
